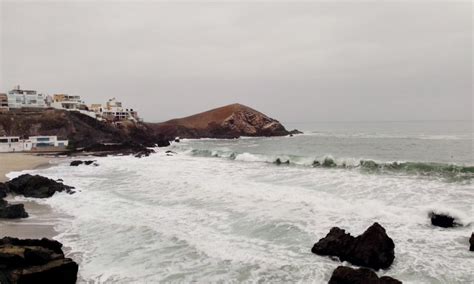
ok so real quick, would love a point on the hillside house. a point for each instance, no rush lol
(18, 98)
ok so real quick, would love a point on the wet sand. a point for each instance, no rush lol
(40, 222)
(10, 162)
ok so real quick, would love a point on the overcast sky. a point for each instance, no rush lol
(297, 62)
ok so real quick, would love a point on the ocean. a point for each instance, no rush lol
(218, 211)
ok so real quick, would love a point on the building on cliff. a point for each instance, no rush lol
(18, 98)
(113, 111)
(69, 103)
(3, 102)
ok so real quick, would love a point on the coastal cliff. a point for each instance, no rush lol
(81, 130)
(231, 121)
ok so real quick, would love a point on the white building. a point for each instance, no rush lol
(63, 101)
(113, 111)
(11, 144)
(39, 142)
(18, 98)
(70, 103)
(34, 143)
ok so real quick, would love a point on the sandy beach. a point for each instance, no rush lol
(10, 162)
(39, 224)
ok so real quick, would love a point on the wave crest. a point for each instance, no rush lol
(451, 171)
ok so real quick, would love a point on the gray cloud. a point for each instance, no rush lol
(295, 61)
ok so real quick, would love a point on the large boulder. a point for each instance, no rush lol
(12, 211)
(36, 186)
(471, 242)
(3, 190)
(374, 248)
(76, 163)
(347, 275)
(443, 220)
(35, 261)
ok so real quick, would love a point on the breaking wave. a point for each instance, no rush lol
(452, 172)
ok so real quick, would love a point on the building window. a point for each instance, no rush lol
(43, 139)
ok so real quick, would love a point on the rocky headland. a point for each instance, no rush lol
(231, 121)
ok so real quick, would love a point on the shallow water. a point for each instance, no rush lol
(192, 217)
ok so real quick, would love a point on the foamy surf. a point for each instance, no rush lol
(184, 218)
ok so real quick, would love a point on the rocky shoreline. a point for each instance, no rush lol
(32, 260)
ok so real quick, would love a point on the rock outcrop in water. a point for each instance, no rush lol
(35, 261)
(29, 186)
(230, 121)
(36, 186)
(374, 248)
(444, 221)
(347, 275)
(12, 211)
(126, 148)
(79, 162)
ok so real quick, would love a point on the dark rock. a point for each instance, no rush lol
(177, 140)
(279, 162)
(170, 152)
(62, 271)
(347, 275)
(35, 261)
(442, 220)
(76, 163)
(336, 243)
(126, 148)
(372, 249)
(12, 211)
(328, 163)
(3, 190)
(52, 245)
(163, 143)
(471, 242)
(316, 163)
(295, 131)
(36, 186)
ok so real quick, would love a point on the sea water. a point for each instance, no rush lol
(224, 211)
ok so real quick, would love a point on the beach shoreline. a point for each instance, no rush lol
(40, 223)
(11, 162)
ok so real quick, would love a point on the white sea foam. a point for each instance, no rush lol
(183, 218)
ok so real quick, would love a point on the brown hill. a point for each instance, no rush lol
(230, 121)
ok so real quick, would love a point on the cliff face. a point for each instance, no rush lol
(230, 121)
(81, 130)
